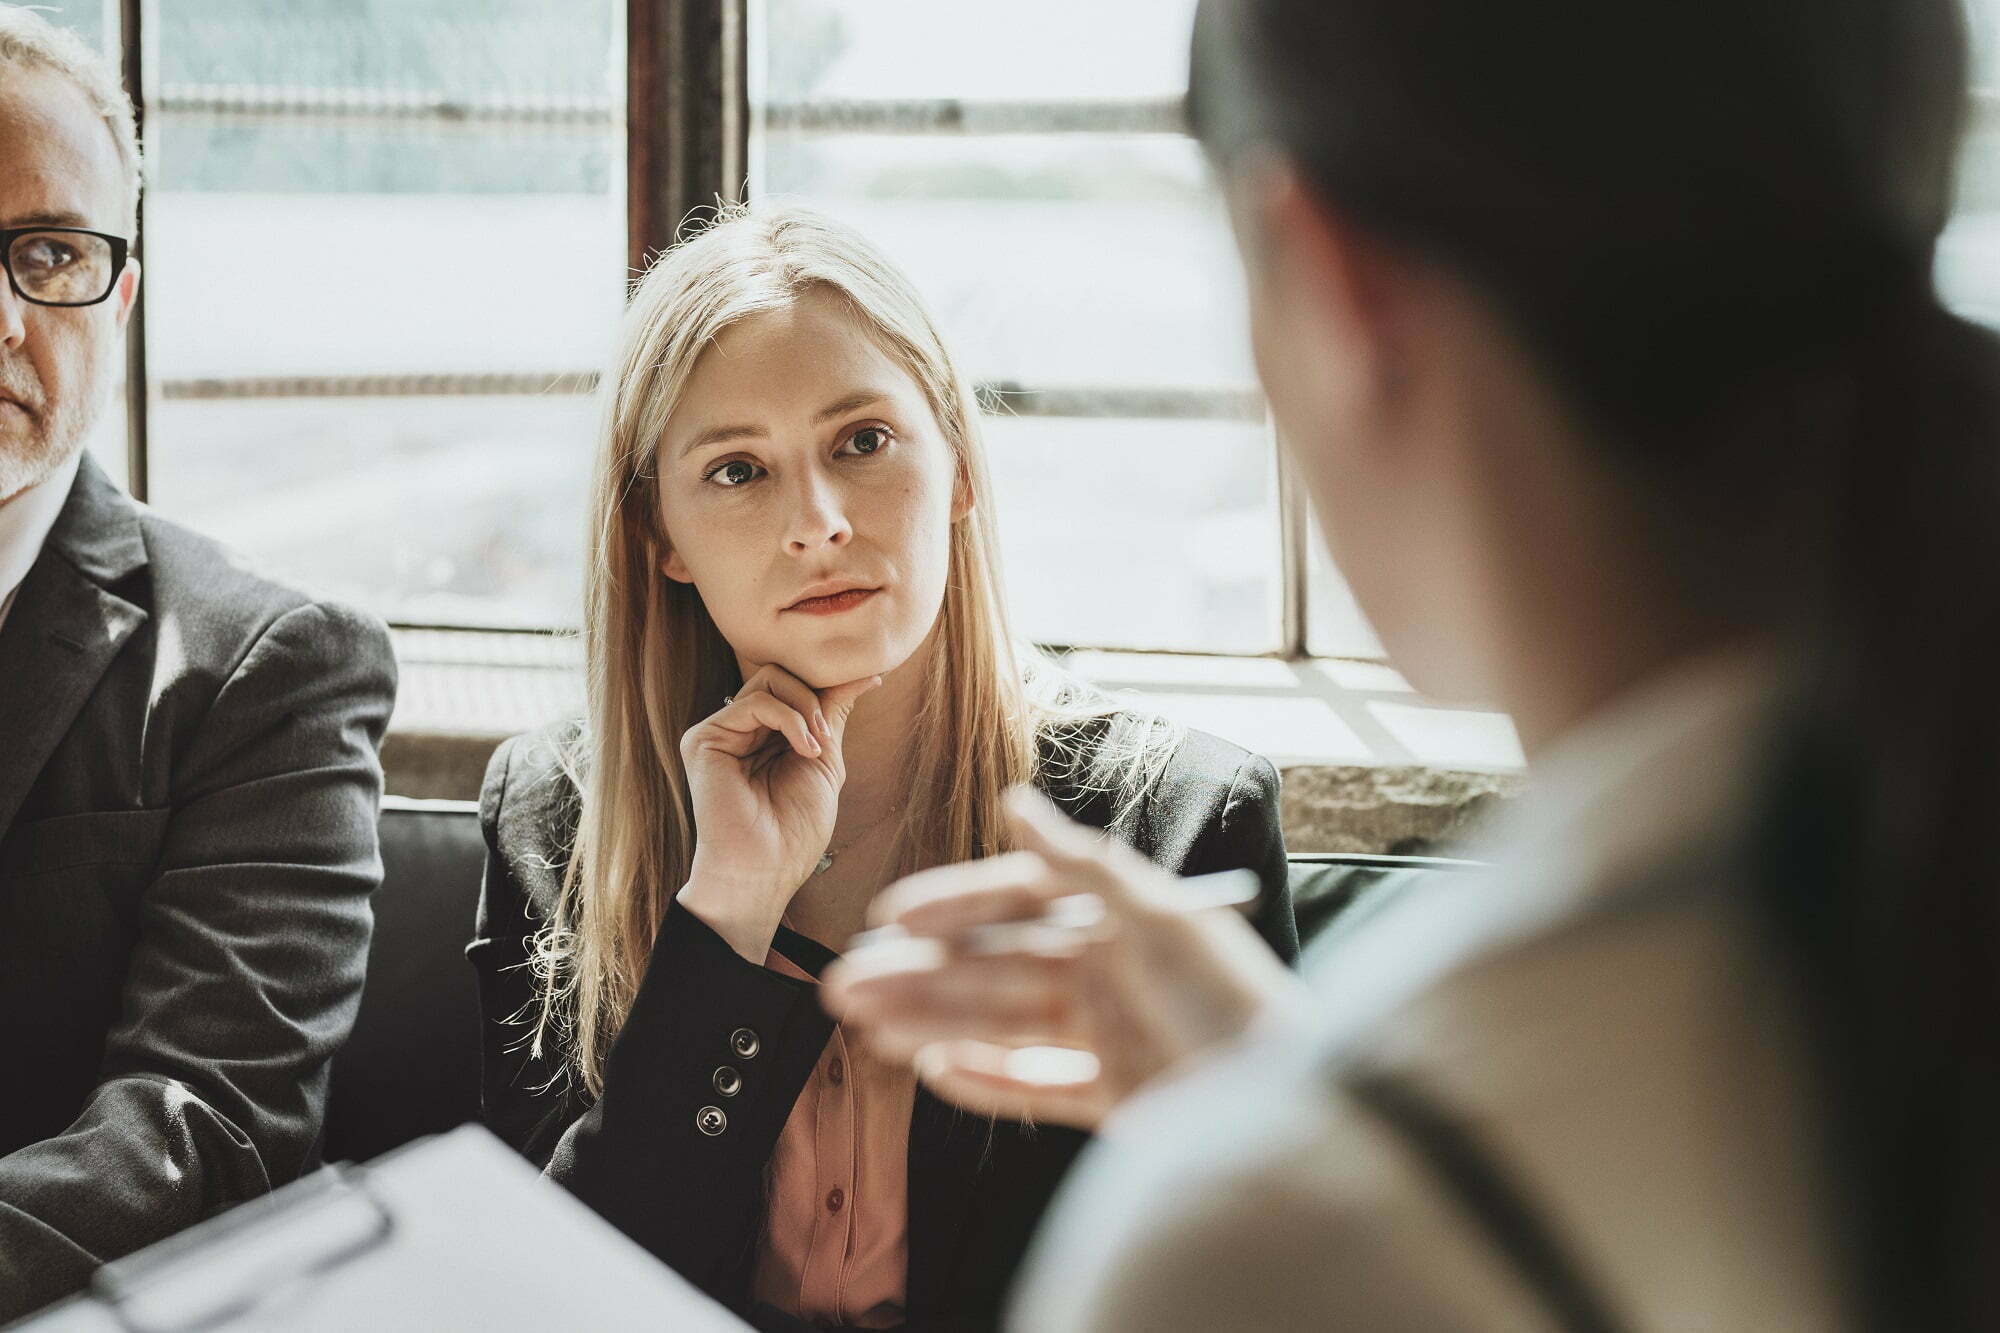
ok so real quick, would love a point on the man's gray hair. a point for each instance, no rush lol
(30, 41)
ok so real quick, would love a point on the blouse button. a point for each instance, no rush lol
(834, 1199)
(727, 1081)
(744, 1042)
(710, 1120)
(836, 1072)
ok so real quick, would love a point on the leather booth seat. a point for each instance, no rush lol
(412, 1065)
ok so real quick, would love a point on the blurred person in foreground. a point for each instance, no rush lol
(802, 685)
(1605, 339)
(188, 773)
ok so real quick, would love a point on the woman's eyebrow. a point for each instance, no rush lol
(726, 434)
(857, 399)
(722, 435)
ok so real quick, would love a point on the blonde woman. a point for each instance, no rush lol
(801, 687)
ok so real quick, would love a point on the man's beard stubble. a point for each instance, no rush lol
(32, 455)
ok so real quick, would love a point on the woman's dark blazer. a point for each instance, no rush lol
(976, 1188)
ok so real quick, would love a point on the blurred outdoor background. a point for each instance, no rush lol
(386, 248)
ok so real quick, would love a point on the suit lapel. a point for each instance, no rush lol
(948, 1147)
(950, 1150)
(66, 626)
(946, 1150)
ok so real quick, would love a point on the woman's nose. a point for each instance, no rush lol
(818, 517)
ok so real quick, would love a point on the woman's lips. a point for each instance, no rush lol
(834, 605)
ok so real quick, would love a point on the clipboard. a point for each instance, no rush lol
(455, 1232)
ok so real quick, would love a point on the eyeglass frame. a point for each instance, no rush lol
(121, 250)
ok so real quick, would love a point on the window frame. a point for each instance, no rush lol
(687, 137)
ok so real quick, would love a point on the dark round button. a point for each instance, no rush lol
(834, 1199)
(727, 1081)
(744, 1042)
(836, 1072)
(710, 1120)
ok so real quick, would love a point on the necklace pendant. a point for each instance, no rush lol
(825, 860)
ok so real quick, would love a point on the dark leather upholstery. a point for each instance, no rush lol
(1334, 892)
(412, 1066)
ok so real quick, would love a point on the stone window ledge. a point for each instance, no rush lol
(1368, 765)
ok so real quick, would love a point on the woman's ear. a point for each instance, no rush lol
(675, 568)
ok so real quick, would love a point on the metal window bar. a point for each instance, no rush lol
(687, 125)
(957, 116)
(1003, 398)
(257, 103)
(133, 65)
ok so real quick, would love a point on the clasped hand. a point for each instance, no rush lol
(1143, 991)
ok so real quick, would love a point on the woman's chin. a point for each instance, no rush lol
(826, 664)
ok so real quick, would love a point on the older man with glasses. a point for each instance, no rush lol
(188, 771)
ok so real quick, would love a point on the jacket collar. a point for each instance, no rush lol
(98, 529)
(70, 617)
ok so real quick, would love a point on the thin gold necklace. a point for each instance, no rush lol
(826, 857)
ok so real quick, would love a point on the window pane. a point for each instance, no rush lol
(1051, 259)
(385, 254)
(1138, 534)
(1025, 49)
(1983, 21)
(83, 17)
(1091, 266)
(1968, 267)
(1335, 626)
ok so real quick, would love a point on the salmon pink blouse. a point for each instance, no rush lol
(835, 1243)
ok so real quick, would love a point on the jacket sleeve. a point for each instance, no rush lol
(663, 1154)
(1244, 831)
(251, 947)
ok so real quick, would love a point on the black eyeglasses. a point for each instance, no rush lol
(62, 266)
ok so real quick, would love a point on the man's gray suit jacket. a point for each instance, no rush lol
(188, 793)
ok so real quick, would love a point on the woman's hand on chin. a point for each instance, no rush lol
(765, 773)
(1106, 1008)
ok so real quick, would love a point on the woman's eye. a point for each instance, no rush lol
(733, 473)
(869, 439)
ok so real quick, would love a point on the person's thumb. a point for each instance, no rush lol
(838, 701)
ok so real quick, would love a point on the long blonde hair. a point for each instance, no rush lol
(657, 663)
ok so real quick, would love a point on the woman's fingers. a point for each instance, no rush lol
(837, 702)
(825, 711)
(740, 727)
(792, 691)
(1007, 999)
(1044, 1085)
(946, 900)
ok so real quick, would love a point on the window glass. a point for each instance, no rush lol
(1968, 264)
(1335, 625)
(85, 18)
(1023, 50)
(385, 258)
